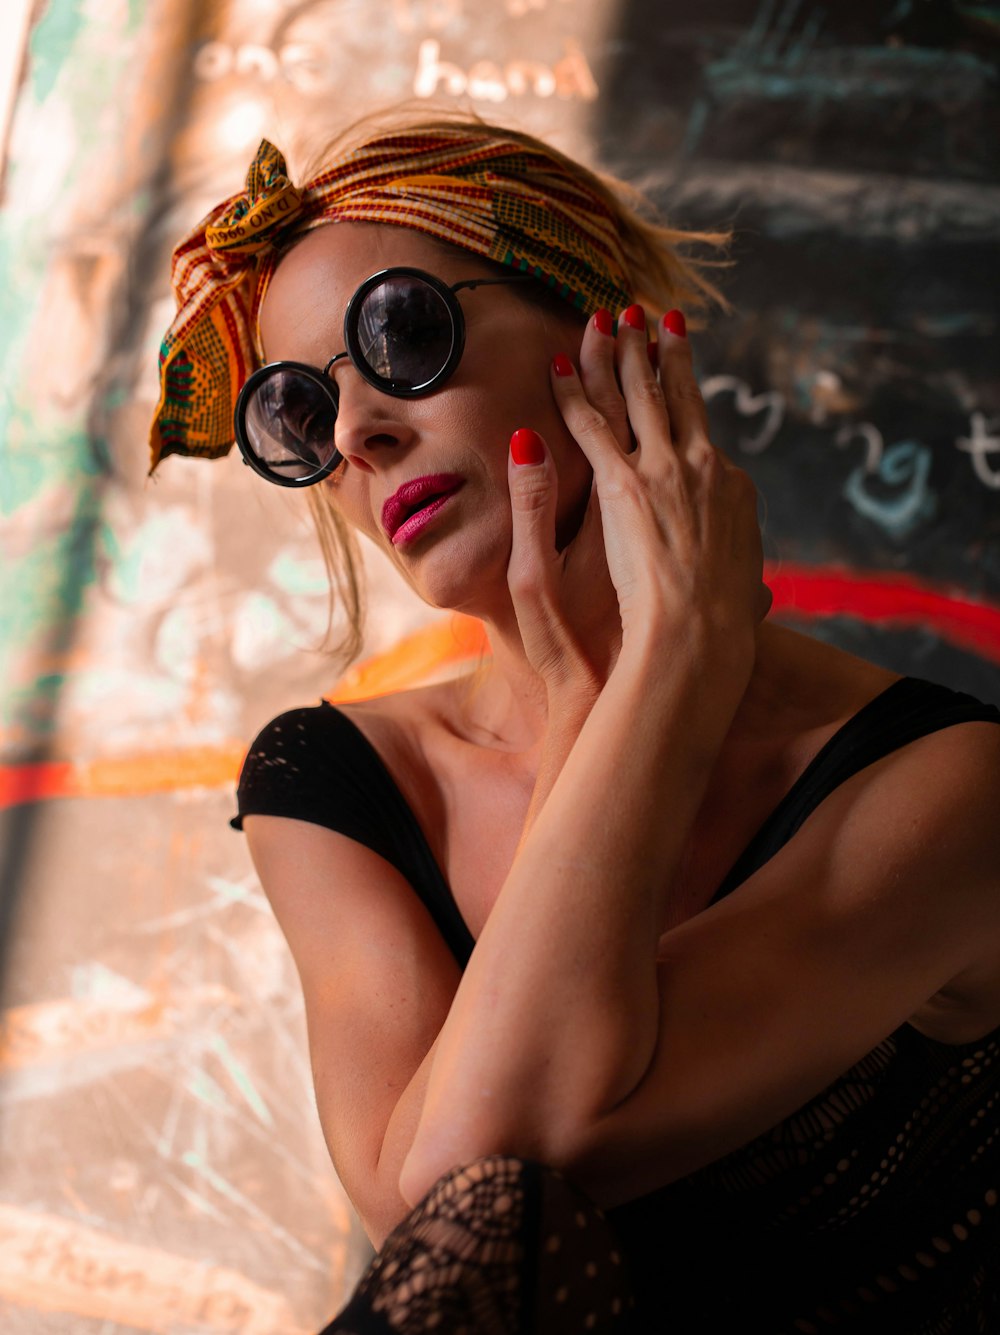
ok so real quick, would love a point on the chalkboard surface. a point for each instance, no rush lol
(852, 148)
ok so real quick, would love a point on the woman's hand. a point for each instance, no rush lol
(678, 522)
(564, 597)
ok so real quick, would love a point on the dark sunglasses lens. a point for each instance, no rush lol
(289, 421)
(404, 332)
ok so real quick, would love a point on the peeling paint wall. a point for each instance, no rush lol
(161, 1165)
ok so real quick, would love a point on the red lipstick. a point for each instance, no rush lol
(419, 499)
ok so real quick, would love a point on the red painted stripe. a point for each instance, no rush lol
(32, 783)
(894, 601)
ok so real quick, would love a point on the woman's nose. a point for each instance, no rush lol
(369, 423)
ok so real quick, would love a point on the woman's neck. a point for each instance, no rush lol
(506, 699)
(798, 683)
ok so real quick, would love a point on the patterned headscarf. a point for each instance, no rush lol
(489, 195)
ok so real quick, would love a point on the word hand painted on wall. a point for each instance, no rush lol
(488, 81)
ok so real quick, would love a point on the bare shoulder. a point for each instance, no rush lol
(948, 780)
(407, 724)
(925, 818)
(408, 729)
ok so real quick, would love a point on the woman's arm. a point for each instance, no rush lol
(885, 898)
(556, 1016)
(569, 1040)
(377, 981)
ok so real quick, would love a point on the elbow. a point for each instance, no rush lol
(607, 1179)
(611, 1156)
(436, 1152)
(418, 1175)
(431, 1157)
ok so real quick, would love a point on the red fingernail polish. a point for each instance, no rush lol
(635, 317)
(674, 323)
(527, 446)
(603, 322)
(651, 354)
(561, 364)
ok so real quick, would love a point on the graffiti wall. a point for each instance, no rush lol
(161, 1163)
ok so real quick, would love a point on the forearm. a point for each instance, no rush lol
(569, 707)
(568, 711)
(396, 1145)
(555, 1020)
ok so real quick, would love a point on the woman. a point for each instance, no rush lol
(652, 974)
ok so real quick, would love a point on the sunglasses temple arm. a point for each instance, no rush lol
(493, 282)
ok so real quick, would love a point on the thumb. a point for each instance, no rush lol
(532, 482)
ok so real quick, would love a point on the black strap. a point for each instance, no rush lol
(908, 709)
(315, 764)
(349, 789)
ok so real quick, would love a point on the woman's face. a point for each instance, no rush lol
(459, 560)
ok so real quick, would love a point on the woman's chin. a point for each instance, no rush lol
(455, 574)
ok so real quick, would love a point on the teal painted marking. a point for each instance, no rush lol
(46, 588)
(52, 42)
(781, 28)
(298, 577)
(905, 465)
(197, 1161)
(229, 890)
(80, 73)
(80, 60)
(238, 1074)
(204, 1088)
(697, 120)
(756, 34)
(796, 53)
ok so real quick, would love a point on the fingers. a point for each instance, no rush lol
(670, 407)
(594, 431)
(693, 506)
(641, 390)
(533, 495)
(681, 393)
(533, 568)
(644, 402)
(600, 379)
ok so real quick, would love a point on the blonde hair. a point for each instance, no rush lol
(659, 274)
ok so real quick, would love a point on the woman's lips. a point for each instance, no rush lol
(416, 523)
(415, 495)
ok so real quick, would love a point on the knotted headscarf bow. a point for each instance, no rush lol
(490, 195)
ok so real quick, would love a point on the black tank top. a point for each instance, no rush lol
(872, 1208)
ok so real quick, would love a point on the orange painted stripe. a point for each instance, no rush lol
(125, 776)
(433, 649)
(888, 600)
(417, 657)
(71, 1027)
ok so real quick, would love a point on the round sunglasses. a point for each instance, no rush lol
(404, 333)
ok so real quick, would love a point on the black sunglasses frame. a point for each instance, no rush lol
(354, 353)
